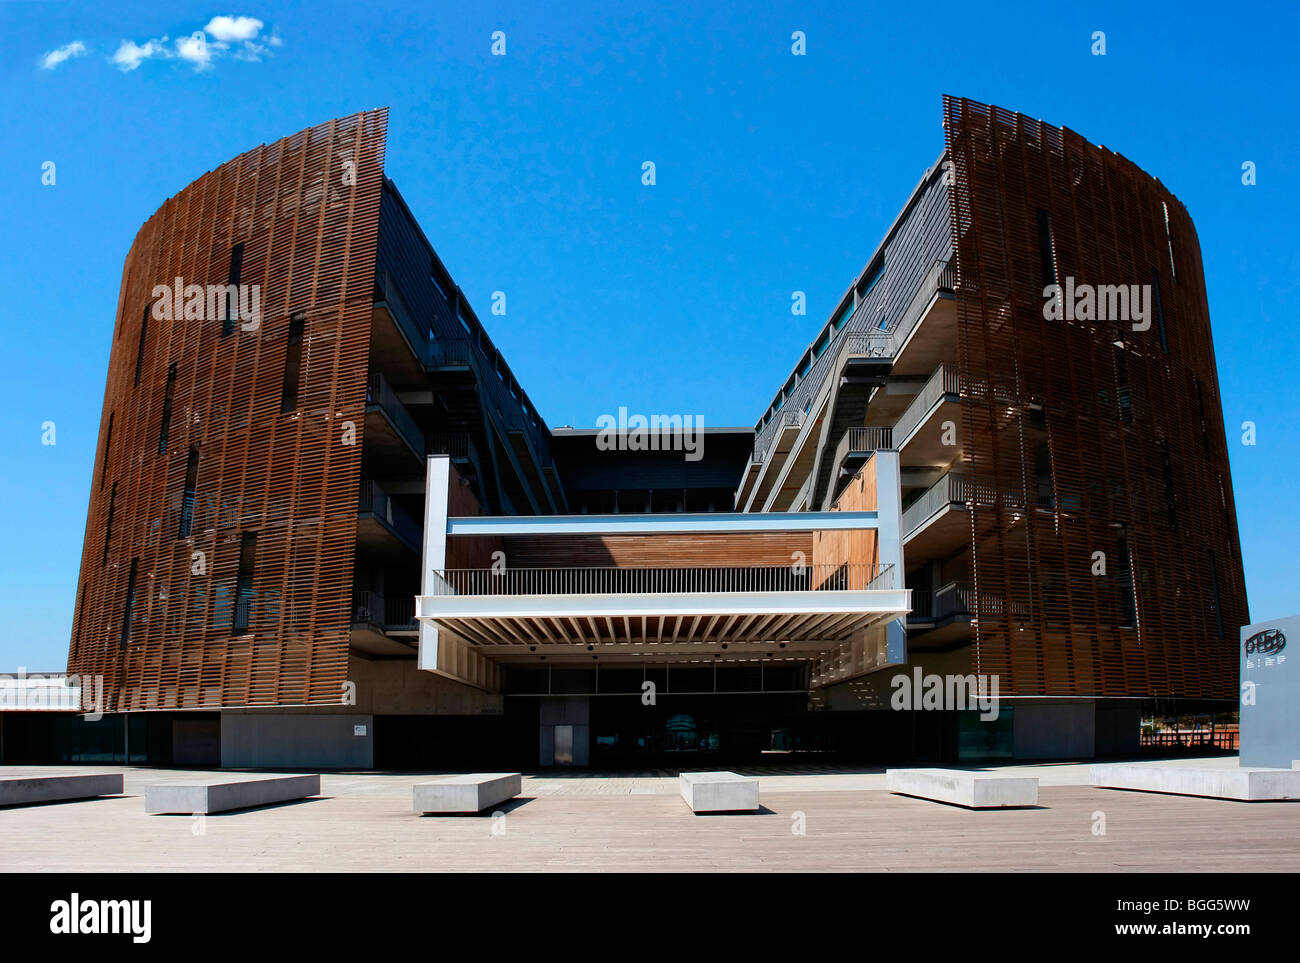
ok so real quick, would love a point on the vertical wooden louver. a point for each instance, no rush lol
(302, 216)
(1134, 466)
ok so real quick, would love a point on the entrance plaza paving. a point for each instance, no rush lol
(637, 822)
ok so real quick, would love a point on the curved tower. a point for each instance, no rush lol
(217, 565)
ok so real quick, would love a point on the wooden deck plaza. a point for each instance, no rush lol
(639, 823)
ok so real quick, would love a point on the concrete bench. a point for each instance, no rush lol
(1246, 785)
(470, 793)
(974, 790)
(28, 790)
(718, 792)
(226, 794)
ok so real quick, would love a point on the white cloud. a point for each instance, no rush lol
(196, 50)
(239, 37)
(130, 54)
(59, 54)
(227, 29)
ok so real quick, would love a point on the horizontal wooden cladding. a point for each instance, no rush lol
(305, 212)
(657, 551)
(1101, 442)
(860, 546)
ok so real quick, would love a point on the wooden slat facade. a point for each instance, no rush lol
(306, 211)
(1140, 452)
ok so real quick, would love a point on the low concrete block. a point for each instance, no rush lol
(225, 794)
(719, 792)
(1247, 785)
(470, 793)
(29, 790)
(974, 790)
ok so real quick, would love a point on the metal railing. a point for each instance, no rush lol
(607, 580)
(371, 608)
(380, 393)
(943, 381)
(859, 339)
(867, 439)
(945, 602)
(375, 501)
(455, 444)
(948, 490)
(450, 352)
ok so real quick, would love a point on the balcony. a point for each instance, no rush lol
(451, 353)
(920, 430)
(855, 447)
(939, 616)
(635, 613)
(382, 523)
(394, 617)
(935, 524)
(391, 433)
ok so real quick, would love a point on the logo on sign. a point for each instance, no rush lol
(1267, 642)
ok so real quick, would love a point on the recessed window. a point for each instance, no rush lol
(1043, 475)
(1169, 240)
(1046, 248)
(108, 437)
(292, 363)
(1125, 583)
(165, 427)
(128, 608)
(229, 310)
(1159, 307)
(846, 312)
(244, 584)
(874, 273)
(1122, 392)
(187, 495)
(433, 276)
(139, 351)
(108, 522)
(820, 344)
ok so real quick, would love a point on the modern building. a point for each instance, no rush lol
(335, 531)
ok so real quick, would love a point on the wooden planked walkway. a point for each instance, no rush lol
(363, 822)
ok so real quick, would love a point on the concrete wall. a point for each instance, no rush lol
(280, 740)
(397, 687)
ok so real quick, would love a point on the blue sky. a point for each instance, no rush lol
(775, 173)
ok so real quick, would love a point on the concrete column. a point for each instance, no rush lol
(889, 537)
(434, 556)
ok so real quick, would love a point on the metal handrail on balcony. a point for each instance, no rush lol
(367, 607)
(944, 381)
(375, 501)
(380, 394)
(952, 599)
(948, 490)
(450, 352)
(932, 605)
(608, 580)
(868, 439)
(456, 444)
(371, 608)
